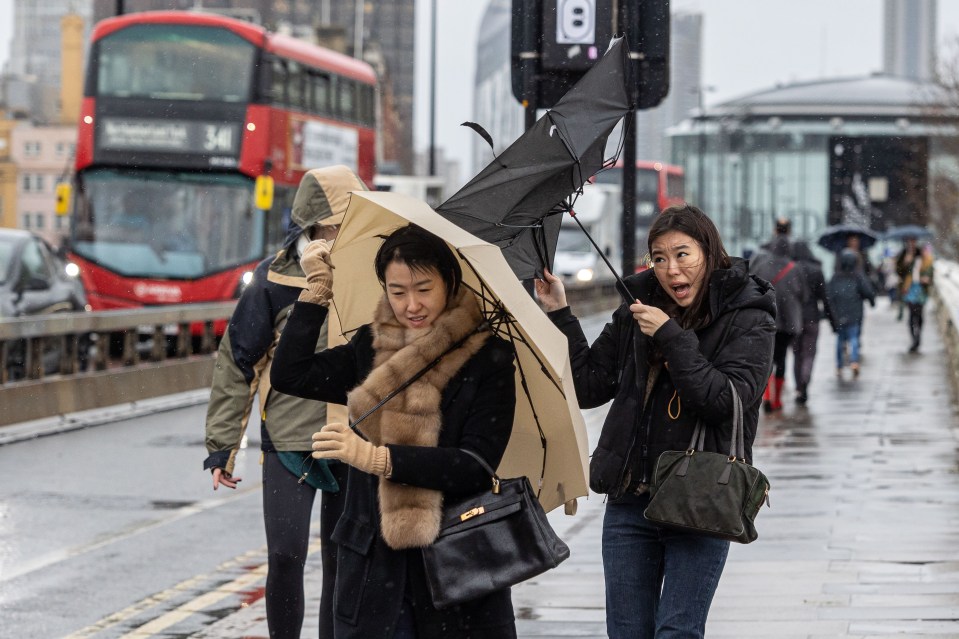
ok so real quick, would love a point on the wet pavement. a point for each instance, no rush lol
(861, 540)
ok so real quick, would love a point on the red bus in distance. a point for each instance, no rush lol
(658, 185)
(182, 111)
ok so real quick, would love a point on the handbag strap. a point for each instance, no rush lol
(781, 274)
(486, 467)
(484, 325)
(737, 439)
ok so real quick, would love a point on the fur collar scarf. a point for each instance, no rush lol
(410, 516)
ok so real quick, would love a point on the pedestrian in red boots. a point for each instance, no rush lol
(775, 264)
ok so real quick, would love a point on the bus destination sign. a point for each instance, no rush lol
(217, 141)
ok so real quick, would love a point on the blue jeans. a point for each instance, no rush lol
(659, 583)
(847, 334)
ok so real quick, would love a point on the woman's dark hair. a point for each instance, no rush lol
(420, 250)
(693, 222)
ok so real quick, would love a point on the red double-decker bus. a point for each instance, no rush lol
(182, 112)
(658, 185)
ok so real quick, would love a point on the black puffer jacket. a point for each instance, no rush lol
(634, 434)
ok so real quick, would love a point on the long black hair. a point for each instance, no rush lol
(690, 220)
(421, 251)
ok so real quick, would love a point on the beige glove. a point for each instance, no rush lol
(319, 273)
(338, 441)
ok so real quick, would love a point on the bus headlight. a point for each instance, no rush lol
(584, 275)
(71, 269)
(247, 278)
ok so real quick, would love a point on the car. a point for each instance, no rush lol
(34, 280)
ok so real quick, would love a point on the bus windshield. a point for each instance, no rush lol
(175, 62)
(167, 224)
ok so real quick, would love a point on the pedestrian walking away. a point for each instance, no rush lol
(914, 268)
(700, 321)
(414, 456)
(847, 290)
(290, 476)
(776, 266)
(814, 309)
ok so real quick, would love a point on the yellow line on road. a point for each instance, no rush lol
(188, 609)
(194, 606)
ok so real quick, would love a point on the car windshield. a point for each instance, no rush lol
(573, 240)
(167, 224)
(7, 247)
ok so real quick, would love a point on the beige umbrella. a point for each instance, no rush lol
(549, 442)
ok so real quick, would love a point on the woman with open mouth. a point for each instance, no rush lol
(698, 322)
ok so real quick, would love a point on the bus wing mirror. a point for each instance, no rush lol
(263, 193)
(62, 206)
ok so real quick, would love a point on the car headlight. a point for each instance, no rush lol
(71, 269)
(247, 278)
(584, 275)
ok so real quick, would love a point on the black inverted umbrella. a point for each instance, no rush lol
(907, 230)
(517, 201)
(834, 238)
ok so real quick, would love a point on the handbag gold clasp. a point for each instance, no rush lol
(495, 485)
(472, 512)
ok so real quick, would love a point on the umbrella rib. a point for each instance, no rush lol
(532, 407)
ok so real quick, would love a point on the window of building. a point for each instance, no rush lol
(31, 148)
(41, 222)
(27, 182)
(38, 183)
(26, 220)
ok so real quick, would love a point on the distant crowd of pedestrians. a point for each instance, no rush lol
(804, 298)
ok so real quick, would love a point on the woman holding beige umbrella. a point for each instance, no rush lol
(414, 456)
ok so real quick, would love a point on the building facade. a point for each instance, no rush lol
(33, 70)
(909, 38)
(43, 155)
(875, 150)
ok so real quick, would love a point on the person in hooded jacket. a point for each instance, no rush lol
(814, 309)
(290, 476)
(414, 455)
(847, 290)
(777, 267)
(699, 321)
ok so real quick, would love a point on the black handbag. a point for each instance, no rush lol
(490, 541)
(709, 493)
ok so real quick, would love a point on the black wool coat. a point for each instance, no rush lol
(477, 413)
(736, 345)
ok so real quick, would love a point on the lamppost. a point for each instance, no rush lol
(701, 160)
(433, 88)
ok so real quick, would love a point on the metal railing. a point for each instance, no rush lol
(945, 291)
(67, 362)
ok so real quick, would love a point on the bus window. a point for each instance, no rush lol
(279, 82)
(347, 98)
(676, 185)
(367, 106)
(175, 63)
(294, 86)
(321, 93)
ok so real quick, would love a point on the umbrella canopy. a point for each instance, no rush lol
(517, 201)
(907, 230)
(834, 238)
(548, 443)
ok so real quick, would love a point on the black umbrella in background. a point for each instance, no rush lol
(906, 231)
(834, 238)
(517, 201)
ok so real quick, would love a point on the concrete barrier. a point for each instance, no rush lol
(945, 293)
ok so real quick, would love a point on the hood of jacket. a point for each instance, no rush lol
(321, 198)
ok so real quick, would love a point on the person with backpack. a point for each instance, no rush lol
(847, 290)
(776, 266)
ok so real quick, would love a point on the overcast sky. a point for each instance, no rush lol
(747, 45)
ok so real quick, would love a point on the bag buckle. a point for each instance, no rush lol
(472, 512)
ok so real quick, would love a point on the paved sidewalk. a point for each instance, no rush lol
(862, 539)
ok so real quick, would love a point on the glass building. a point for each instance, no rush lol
(876, 150)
